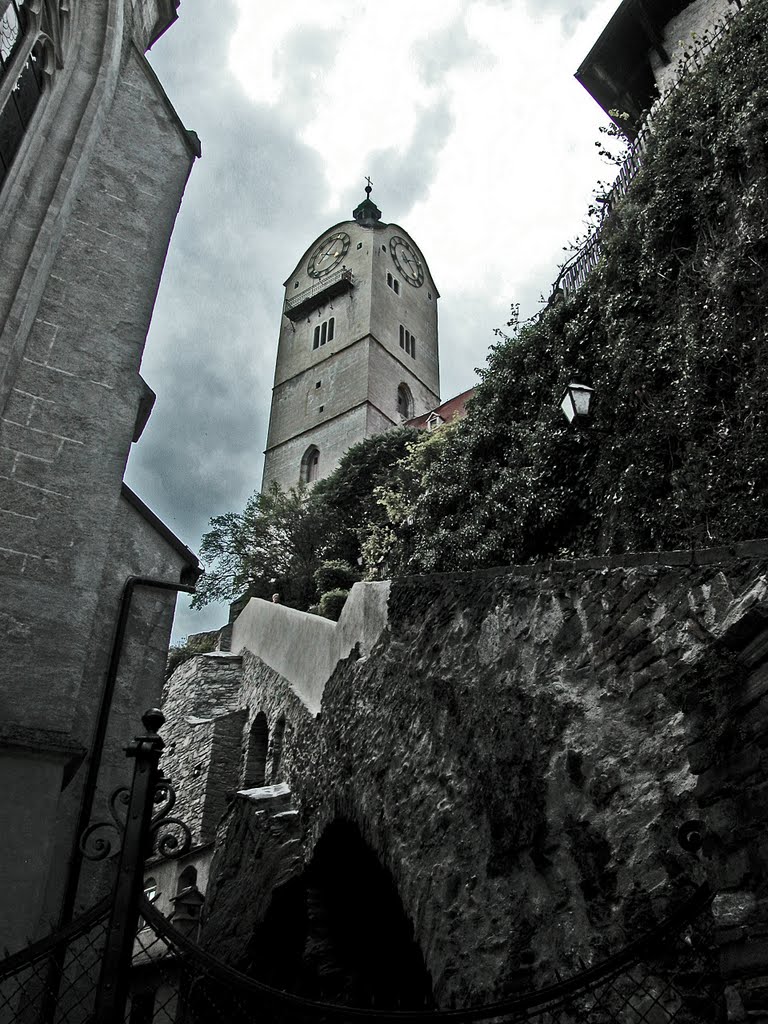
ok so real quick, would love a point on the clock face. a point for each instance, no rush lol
(328, 254)
(406, 261)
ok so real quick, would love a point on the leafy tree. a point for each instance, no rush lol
(390, 539)
(335, 575)
(346, 498)
(272, 546)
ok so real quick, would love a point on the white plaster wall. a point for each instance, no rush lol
(166, 874)
(305, 649)
(679, 33)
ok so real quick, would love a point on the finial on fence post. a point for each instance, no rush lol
(112, 990)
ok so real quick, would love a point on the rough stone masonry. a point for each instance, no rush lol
(518, 749)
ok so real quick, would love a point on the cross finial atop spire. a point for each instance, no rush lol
(367, 214)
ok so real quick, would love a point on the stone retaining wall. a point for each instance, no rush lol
(520, 748)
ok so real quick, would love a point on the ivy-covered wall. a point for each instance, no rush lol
(670, 330)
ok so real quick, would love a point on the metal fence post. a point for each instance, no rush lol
(112, 991)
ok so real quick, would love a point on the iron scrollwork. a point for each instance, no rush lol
(169, 837)
(103, 839)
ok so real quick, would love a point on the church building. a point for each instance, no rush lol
(358, 350)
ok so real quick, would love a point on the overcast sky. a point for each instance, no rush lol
(479, 142)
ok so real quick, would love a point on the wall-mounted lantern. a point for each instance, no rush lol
(576, 402)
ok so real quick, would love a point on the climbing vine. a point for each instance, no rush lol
(670, 330)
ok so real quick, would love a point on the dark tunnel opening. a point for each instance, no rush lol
(339, 933)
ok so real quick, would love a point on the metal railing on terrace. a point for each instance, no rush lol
(574, 272)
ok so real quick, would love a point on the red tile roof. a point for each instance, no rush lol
(450, 410)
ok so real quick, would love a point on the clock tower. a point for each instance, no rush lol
(358, 351)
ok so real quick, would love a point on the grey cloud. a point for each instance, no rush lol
(210, 352)
(448, 49)
(570, 12)
(404, 176)
(300, 64)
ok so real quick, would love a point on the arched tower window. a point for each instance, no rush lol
(404, 402)
(277, 750)
(310, 465)
(256, 754)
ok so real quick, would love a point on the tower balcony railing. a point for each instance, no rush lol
(297, 306)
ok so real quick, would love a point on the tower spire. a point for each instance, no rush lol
(367, 214)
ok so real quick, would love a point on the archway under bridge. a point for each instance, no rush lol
(338, 932)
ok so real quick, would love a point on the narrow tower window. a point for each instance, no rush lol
(324, 332)
(404, 402)
(277, 749)
(407, 341)
(310, 465)
(256, 754)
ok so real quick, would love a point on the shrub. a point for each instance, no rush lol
(190, 647)
(335, 575)
(332, 602)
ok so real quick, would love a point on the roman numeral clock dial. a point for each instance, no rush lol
(406, 261)
(328, 254)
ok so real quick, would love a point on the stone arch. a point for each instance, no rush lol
(404, 402)
(255, 770)
(345, 909)
(310, 465)
(278, 735)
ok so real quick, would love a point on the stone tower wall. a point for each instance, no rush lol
(359, 371)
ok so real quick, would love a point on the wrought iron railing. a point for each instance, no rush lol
(666, 977)
(324, 285)
(124, 961)
(574, 272)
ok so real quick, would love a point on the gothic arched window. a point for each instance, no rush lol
(31, 37)
(404, 402)
(310, 465)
